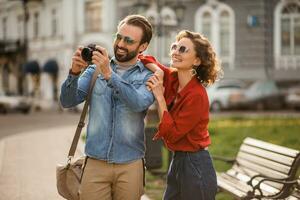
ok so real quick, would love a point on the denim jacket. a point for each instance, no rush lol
(115, 131)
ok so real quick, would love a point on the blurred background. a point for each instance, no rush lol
(257, 42)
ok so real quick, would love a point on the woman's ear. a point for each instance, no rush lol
(197, 62)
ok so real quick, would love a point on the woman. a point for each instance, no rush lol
(184, 115)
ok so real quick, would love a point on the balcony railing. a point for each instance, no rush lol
(287, 62)
(11, 46)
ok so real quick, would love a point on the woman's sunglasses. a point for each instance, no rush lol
(126, 39)
(181, 49)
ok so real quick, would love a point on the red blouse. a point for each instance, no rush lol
(184, 127)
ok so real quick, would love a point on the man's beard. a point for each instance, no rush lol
(125, 57)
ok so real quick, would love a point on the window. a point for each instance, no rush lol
(93, 12)
(290, 30)
(36, 25)
(20, 26)
(168, 39)
(53, 22)
(287, 34)
(215, 21)
(4, 25)
(206, 25)
(224, 33)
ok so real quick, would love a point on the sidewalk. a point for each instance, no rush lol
(28, 161)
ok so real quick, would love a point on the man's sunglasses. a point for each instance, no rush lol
(126, 39)
(181, 49)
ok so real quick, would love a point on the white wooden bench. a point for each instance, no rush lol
(261, 170)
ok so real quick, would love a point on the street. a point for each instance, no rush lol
(30, 148)
(13, 123)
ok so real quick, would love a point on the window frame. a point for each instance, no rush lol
(215, 9)
(290, 60)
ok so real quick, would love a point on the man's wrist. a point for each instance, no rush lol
(74, 73)
(107, 75)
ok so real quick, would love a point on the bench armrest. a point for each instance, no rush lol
(224, 159)
(264, 177)
(257, 186)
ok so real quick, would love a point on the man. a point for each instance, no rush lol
(115, 133)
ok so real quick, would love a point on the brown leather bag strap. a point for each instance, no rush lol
(83, 115)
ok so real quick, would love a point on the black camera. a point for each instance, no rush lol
(87, 53)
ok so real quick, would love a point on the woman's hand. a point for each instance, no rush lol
(155, 84)
(159, 74)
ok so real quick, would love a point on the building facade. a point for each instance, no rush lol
(255, 39)
(54, 29)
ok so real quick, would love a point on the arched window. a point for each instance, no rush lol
(224, 33)
(164, 33)
(93, 12)
(290, 29)
(206, 25)
(215, 20)
(287, 35)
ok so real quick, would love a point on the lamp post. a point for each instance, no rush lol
(25, 47)
(159, 21)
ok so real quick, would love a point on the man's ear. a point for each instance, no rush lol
(143, 47)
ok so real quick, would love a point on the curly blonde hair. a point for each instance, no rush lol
(209, 70)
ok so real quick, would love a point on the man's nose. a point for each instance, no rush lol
(121, 43)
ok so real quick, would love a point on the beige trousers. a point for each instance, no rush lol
(108, 181)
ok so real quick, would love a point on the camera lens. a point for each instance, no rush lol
(87, 54)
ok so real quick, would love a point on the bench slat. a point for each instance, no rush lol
(227, 186)
(239, 184)
(266, 189)
(260, 169)
(234, 181)
(268, 155)
(266, 163)
(271, 147)
(295, 196)
(247, 174)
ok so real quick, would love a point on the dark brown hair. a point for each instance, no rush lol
(209, 70)
(139, 21)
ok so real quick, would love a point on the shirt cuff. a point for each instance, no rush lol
(71, 78)
(111, 80)
(164, 126)
(73, 73)
(147, 59)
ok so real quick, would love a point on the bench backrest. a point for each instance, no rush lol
(258, 157)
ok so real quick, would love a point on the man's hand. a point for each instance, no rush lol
(101, 60)
(77, 62)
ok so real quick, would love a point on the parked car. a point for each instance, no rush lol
(223, 94)
(292, 99)
(10, 103)
(261, 95)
